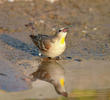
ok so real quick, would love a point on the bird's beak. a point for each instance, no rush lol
(65, 29)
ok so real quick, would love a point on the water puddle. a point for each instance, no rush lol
(66, 80)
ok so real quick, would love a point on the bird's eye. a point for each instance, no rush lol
(60, 30)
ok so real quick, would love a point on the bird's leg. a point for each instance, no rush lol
(49, 58)
(58, 58)
(46, 58)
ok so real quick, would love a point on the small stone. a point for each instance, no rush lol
(51, 1)
(10, 0)
(84, 31)
(95, 28)
(41, 21)
(90, 9)
(53, 29)
(79, 60)
(86, 27)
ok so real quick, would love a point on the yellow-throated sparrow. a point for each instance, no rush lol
(51, 46)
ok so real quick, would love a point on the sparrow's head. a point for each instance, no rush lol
(61, 34)
(63, 31)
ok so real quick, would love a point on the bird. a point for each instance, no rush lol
(52, 72)
(51, 46)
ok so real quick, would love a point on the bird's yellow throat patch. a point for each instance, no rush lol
(62, 82)
(62, 41)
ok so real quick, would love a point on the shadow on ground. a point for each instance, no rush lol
(15, 43)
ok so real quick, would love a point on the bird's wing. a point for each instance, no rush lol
(46, 44)
(41, 41)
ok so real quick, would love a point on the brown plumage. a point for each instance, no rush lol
(41, 41)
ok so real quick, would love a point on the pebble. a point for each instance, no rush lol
(11, 0)
(95, 28)
(84, 31)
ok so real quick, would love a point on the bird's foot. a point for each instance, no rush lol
(49, 58)
(46, 58)
(58, 58)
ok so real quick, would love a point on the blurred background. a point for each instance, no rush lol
(88, 39)
(90, 34)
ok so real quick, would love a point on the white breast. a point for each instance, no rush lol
(55, 50)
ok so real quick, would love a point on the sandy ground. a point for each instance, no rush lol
(88, 40)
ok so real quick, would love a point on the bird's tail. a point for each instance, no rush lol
(32, 36)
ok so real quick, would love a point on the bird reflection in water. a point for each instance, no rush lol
(52, 72)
